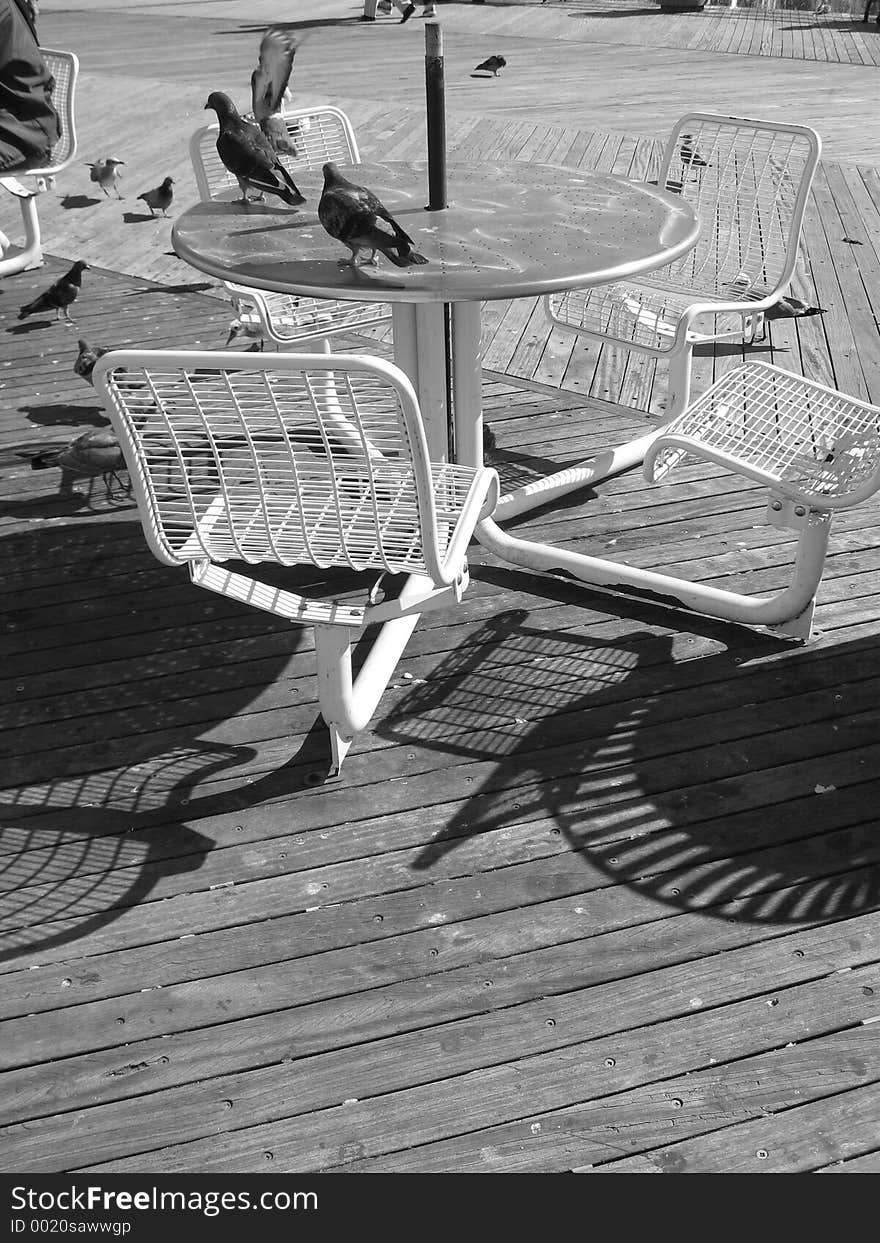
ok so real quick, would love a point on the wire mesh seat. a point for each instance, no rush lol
(318, 135)
(304, 460)
(816, 449)
(747, 181)
(26, 185)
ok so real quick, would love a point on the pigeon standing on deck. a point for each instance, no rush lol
(106, 173)
(94, 453)
(160, 198)
(248, 330)
(491, 65)
(269, 87)
(58, 297)
(352, 215)
(689, 155)
(247, 153)
(86, 358)
(790, 307)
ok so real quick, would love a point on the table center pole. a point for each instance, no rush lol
(435, 100)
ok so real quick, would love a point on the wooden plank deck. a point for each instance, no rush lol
(599, 887)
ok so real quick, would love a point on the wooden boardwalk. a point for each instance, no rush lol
(599, 887)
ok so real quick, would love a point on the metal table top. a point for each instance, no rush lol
(510, 231)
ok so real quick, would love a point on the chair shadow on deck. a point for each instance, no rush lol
(684, 779)
(90, 824)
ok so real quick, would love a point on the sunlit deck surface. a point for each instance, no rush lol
(598, 888)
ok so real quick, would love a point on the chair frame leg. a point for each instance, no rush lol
(679, 380)
(31, 254)
(347, 704)
(789, 613)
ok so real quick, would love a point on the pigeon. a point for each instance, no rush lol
(86, 358)
(107, 174)
(160, 197)
(492, 65)
(94, 453)
(351, 214)
(688, 155)
(269, 87)
(250, 331)
(247, 153)
(789, 307)
(58, 297)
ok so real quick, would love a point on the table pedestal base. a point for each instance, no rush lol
(416, 330)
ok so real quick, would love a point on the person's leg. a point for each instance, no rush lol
(12, 159)
(369, 14)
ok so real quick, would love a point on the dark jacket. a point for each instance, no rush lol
(29, 125)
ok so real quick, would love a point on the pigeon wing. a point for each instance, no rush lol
(94, 452)
(343, 214)
(271, 76)
(373, 206)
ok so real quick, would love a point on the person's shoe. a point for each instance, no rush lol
(407, 13)
(365, 18)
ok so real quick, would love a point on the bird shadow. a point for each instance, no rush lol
(185, 287)
(60, 505)
(65, 413)
(71, 201)
(315, 23)
(136, 217)
(32, 325)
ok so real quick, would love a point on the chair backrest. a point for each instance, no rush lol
(748, 182)
(64, 67)
(319, 135)
(301, 458)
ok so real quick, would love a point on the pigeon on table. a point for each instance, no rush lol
(60, 296)
(269, 87)
(489, 67)
(352, 214)
(247, 153)
(94, 453)
(106, 173)
(86, 358)
(160, 198)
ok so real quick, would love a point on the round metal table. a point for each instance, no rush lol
(510, 230)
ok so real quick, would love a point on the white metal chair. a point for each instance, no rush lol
(816, 450)
(26, 186)
(298, 459)
(748, 183)
(319, 134)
